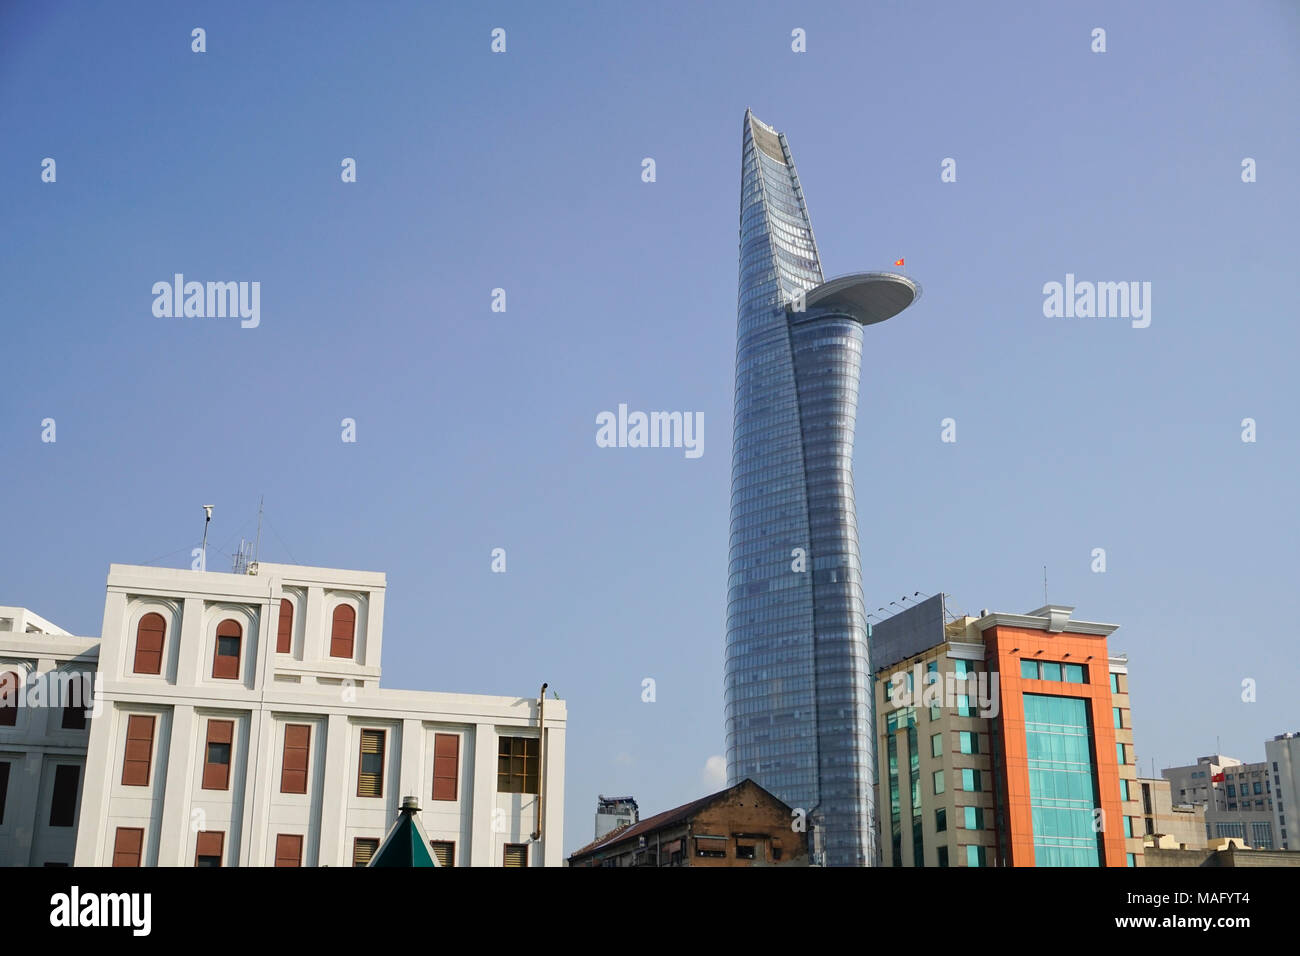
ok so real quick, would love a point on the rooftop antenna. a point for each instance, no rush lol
(203, 551)
(257, 548)
(1045, 601)
(245, 560)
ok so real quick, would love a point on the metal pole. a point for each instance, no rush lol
(541, 760)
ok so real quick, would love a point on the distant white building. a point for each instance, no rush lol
(1282, 760)
(243, 725)
(614, 812)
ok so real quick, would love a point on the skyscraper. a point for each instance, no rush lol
(798, 707)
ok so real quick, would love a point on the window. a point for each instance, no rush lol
(149, 634)
(1050, 670)
(1128, 826)
(370, 770)
(74, 718)
(294, 761)
(941, 820)
(216, 763)
(363, 848)
(288, 849)
(744, 851)
(127, 846)
(517, 762)
(936, 745)
(974, 818)
(1130, 859)
(444, 851)
(63, 802)
(969, 742)
(225, 662)
(970, 780)
(1119, 717)
(962, 669)
(208, 850)
(1123, 790)
(1114, 685)
(284, 630)
(1232, 790)
(4, 787)
(938, 782)
(1075, 674)
(516, 854)
(974, 855)
(446, 756)
(943, 856)
(1119, 753)
(1256, 788)
(1029, 669)
(139, 750)
(344, 632)
(963, 705)
(11, 686)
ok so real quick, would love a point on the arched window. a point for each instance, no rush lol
(11, 686)
(149, 634)
(225, 662)
(284, 637)
(343, 636)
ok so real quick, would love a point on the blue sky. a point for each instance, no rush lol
(522, 171)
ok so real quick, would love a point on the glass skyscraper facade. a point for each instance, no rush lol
(798, 706)
(1062, 784)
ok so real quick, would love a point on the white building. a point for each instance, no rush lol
(243, 725)
(42, 747)
(1282, 760)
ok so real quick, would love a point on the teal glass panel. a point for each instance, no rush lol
(1029, 669)
(1062, 780)
(1051, 670)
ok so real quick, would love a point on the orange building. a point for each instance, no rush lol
(1005, 740)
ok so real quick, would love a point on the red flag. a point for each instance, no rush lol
(1217, 778)
(899, 262)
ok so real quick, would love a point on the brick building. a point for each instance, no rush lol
(743, 825)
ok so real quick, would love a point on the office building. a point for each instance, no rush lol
(1282, 759)
(798, 706)
(1237, 798)
(1005, 740)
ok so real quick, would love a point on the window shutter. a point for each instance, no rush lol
(516, 854)
(216, 773)
(209, 844)
(149, 635)
(343, 635)
(139, 750)
(227, 665)
(288, 849)
(127, 845)
(444, 851)
(297, 751)
(446, 758)
(363, 848)
(284, 636)
(370, 770)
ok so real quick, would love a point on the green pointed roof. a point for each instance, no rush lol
(406, 843)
